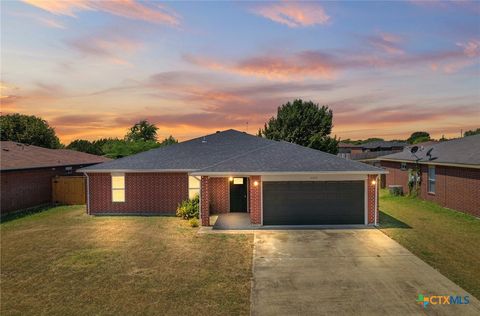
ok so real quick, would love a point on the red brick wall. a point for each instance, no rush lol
(219, 189)
(255, 200)
(145, 193)
(28, 188)
(371, 199)
(455, 188)
(204, 201)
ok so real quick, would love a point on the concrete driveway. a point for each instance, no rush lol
(345, 271)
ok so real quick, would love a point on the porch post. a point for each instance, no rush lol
(204, 201)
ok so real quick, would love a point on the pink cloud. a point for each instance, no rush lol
(111, 46)
(293, 14)
(129, 9)
(389, 43)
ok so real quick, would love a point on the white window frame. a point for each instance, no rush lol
(118, 188)
(431, 180)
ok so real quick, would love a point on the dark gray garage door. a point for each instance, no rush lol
(313, 202)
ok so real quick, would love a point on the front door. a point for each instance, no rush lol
(238, 195)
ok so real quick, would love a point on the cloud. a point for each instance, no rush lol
(293, 14)
(49, 22)
(129, 9)
(109, 45)
(388, 43)
(316, 64)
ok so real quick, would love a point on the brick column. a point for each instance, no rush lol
(255, 199)
(204, 202)
(371, 193)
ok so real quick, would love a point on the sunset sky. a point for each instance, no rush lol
(91, 69)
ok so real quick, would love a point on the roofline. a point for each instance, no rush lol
(83, 170)
(86, 164)
(434, 163)
(249, 173)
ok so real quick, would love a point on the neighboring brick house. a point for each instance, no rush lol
(27, 172)
(276, 183)
(450, 172)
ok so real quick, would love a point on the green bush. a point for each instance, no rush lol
(189, 208)
(193, 222)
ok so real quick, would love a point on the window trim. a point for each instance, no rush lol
(431, 180)
(112, 175)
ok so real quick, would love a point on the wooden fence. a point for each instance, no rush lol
(69, 190)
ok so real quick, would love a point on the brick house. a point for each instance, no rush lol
(26, 173)
(274, 182)
(449, 172)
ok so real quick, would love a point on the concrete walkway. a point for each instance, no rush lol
(233, 221)
(345, 272)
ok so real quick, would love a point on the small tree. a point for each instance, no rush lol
(142, 130)
(28, 129)
(170, 140)
(418, 137)
(472, 132)
(303, 123)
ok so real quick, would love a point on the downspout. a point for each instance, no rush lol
(376, 205)
(88, 193)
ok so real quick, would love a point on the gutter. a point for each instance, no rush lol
(447, 164)
(235, 173)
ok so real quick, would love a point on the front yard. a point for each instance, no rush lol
(64, 262)
(447, 240)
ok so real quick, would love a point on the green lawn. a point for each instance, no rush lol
(64, 262)
(447, 240)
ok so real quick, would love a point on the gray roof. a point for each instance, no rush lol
(233, 151)
(460, 151)
(383, 144)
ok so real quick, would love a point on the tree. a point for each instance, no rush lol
(85, 146)
(472, 132)
(303, 123)
(418, 137)
(170, 140)
(142, 130)
(122, 148)
(28, 129)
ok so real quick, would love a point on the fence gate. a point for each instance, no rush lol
(68, 190)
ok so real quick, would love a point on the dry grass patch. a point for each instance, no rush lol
(65, 262)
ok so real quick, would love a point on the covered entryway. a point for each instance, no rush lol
(313, 202)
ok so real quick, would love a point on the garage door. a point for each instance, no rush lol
(313, 202)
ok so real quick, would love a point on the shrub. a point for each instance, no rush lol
(193, 222)
(189, 208)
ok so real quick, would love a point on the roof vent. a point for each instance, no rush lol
(204, 140)
(217, 132)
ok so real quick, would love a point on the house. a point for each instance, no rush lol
(275, 182)
(26, 173)
(449, 172)
(368, 152)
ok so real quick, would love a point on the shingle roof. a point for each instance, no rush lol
(233, 151)
(383, 144)
(464, 151)
(287, 157)
(15, 156)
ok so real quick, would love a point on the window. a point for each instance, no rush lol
(431, 179)
(193, 186)
(403, 166)
(118, 187)
(237, 180)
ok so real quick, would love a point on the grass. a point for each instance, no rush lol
(64, 262)
(447, 240)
